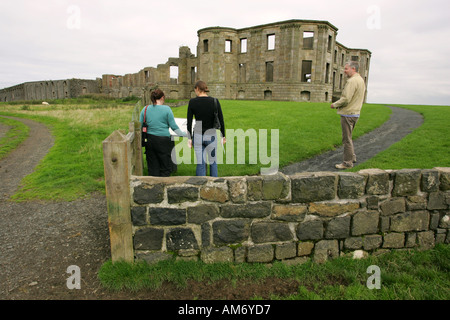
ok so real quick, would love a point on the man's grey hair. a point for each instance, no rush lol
(354, 65)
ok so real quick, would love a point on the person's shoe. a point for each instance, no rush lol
(354, 160)
(341, 166)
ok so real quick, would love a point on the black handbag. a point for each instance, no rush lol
(216, 124)
(144, 129)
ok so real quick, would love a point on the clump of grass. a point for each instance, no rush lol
(15, 135)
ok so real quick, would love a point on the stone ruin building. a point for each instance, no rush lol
(294, 60)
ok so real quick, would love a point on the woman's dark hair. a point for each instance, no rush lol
(156, 95)
(201, 86)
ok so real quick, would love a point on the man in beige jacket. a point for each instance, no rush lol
(349, 107)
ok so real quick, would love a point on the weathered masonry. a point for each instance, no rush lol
(318, 216)
(48, 90)
(294, 60)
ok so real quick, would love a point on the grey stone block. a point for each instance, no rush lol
(392, 206)
(260, 253)
(167, 216)
(326, 250)
(430, 181)
(202, 213)
(365, 222)
(310, 230)
(181, 238)
(410, 221)
(217, 255)
(145, 194)
(338, 228)
(377, 181)
(406, 182)
(249, 210)
(437, 201)
(372, 242)
(312, 188)
(139, 216)
(148, 239)
(285, 251)
(270, 232)
(182, 194)
(394, 240)
(351, 185)
(230, 231)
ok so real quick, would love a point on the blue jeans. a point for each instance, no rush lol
(205, 147)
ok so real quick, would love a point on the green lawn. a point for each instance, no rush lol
(305, 129)
(427, 147)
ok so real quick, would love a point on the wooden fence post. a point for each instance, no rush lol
(136, 149)
(117, 180)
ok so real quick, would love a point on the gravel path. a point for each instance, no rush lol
(40, 240)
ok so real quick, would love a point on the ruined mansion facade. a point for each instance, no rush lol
(294, 60)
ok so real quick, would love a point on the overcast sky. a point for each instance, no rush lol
(62, 39)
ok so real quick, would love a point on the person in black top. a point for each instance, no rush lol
(204, 137)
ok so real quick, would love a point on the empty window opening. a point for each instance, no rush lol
(355, 58)
(244, 45)
(174, 74)
(147, 75)
(269, 71)
(342, 60)
(327, 73)
(306, 70)
(242, 72)
(228, 46)
(193, 74)
(308, 39)
(305, 96)
(205, 45)
(267, 95)
(330, 43)
(271, 42)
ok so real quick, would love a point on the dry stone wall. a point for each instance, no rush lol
(294, 218)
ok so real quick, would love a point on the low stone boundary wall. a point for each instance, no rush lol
(309, 215)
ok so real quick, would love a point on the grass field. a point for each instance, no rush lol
(427, 147)
(74, 166)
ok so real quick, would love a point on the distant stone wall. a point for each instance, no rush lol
(317, 216)
(48, 90)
